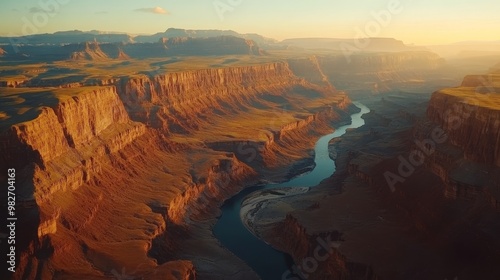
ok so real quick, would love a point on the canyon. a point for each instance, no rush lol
(125, 152)
(111, 149)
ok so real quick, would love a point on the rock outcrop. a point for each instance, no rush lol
(89, 51)
(122, 55)
(165, 100)
(470, 116)
(471, 120)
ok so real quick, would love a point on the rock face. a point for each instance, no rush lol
(310, 70)
(222, 45)
(223, 180)
(470, 119)
(470, 116)
(89, 51)
(81, 127)
(199, 92)
(302, 246)
(122, 55)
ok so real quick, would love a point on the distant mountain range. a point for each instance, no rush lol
(176, 32)
(96, 51)
(76, 36)
(12, 45)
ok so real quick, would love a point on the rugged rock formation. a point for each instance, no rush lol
(95, 51)
(310, 70)
(471, 120)
(89, 51)
(122, 55)
(224, 179)
(199, 92)
(470, 116)
(316, 255)
(11, 83)
(97, 167)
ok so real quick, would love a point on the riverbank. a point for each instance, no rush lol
(265, 207)
(255, 202)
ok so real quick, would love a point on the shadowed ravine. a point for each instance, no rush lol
(269, 263)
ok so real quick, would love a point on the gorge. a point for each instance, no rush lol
(233, 234)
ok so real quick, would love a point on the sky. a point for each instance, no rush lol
(420, 22)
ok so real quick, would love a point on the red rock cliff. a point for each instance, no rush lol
(471, 120)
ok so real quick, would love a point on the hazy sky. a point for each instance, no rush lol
(413, 21)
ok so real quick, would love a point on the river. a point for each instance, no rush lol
(269, 263)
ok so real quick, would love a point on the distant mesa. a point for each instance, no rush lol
(222, 45)
(179, 33)
(351, 45)
(122, 55)
(89, 51)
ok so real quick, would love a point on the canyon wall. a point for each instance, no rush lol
(178, 101)
(69, 137)
(470, 116)
(471, 121)
(316, 254)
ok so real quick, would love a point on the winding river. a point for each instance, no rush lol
(269, 263)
